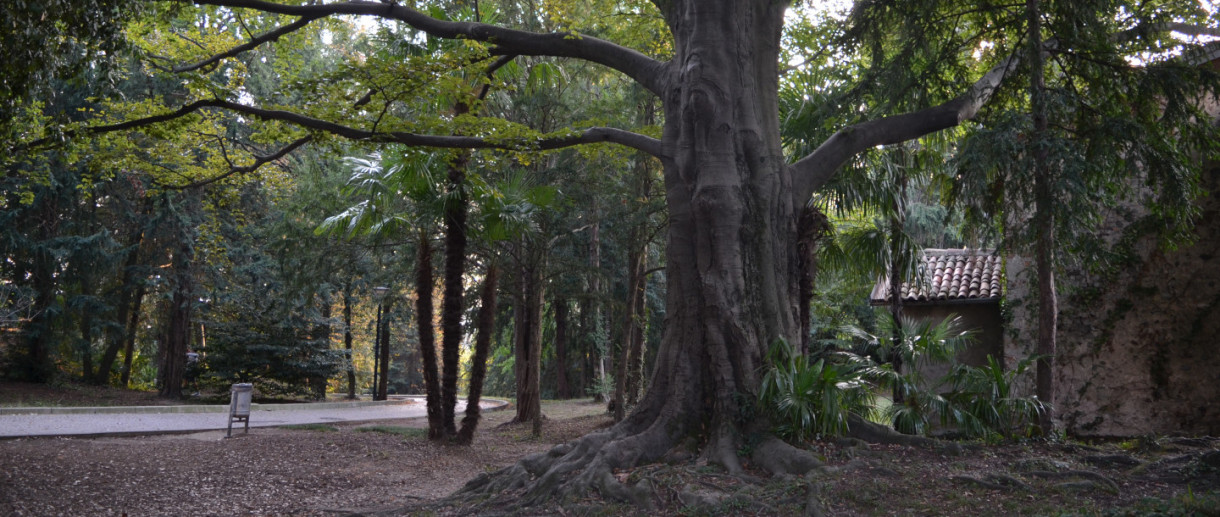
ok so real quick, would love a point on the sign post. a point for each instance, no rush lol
(239, 406)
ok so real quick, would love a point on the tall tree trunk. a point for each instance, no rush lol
(595, 330)
(347, 341)
(383, 333)
(86, 331)
(427, 339)
(731, 255)
(731, 259)
(129, 338)
(35, 364)
(624, 364)
(811, 228)
(528, 340)
(178, 327)
(455, 267)
(321, 333)
(635, 377)
(562, 389)
(898, 273)
(1044, 221)
(482, 345)
(116, 337)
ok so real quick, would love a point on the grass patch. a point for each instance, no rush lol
(405, 432)
(325, 428)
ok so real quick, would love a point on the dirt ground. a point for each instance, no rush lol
(389, 468)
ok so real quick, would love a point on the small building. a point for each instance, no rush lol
(964, 282)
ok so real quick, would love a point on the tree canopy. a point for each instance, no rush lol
(760, 104)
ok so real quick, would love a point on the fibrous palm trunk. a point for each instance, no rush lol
(482, 345)
(427, 339)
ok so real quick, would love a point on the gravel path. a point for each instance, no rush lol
(103, 421)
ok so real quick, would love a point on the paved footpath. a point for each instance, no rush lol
(104, 421)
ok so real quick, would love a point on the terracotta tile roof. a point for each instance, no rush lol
(949, 276)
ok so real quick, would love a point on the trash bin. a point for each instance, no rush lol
(239, 405)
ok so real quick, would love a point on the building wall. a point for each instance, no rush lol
(983, 318)
(1138, 346)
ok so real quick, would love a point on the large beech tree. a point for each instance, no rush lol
(733, 194)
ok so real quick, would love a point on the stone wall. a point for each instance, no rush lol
(1139, 346)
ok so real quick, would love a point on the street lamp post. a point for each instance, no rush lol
(377, 346)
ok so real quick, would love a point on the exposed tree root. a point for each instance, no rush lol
(589, 466)
(1093, 479)
(519, 421)
(870, 432)
(994, 482)
(779, 458)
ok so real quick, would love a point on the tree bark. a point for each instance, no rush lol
(455, 267)
(594, 329)
(811, 227)
(635, 377)
(383, 332)
(482, 345)
(127, 291)
(321, 333)
(427, 339)
(562, 389)
(527, 340)
(731, 261)
(347, 341)
(178, 329)
(629, 350)
(129, 339)
(1044, 221)
(35, 364)
(897, 275)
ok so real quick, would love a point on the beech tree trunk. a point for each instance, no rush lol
(731, 262)
(731, 254)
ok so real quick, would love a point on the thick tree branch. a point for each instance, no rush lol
(250, 45)
(636, 65)
(588, 136)
(816, 169)
(259, 161)
(1188, 29)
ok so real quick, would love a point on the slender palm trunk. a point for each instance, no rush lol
(427, 339)
(482, 344)
(451, 308)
